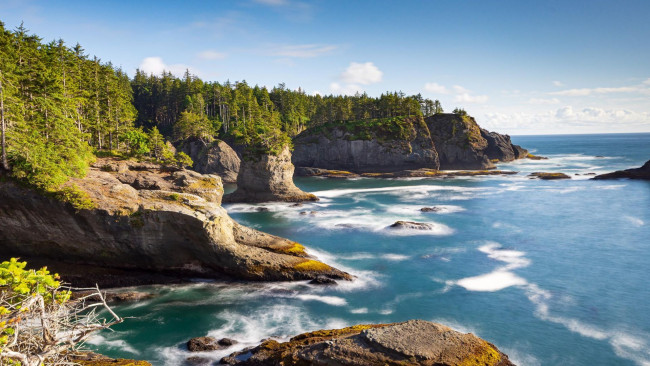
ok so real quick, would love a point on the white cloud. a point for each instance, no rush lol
(468, 98)
(558, 83)
(543, 101)
(156, 66)
(460, 90)
(647, 81)
(362, 73)
(303, 50)
(570, 119)
(436, 88)
(643, 88)
(211, 55)
(347, 89)
(316, 92)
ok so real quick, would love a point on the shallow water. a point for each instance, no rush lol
(552, 272)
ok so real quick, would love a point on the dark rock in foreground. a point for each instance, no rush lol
(95, 359)
(265, 178)
(202, 344)
(322, 280)
(415, 342)
(635, 173)
(549, 176)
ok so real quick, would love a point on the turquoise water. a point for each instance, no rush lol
(552, 272)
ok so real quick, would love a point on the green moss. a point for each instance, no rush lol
(382, 129)
(175, 197)
(312, 265)
(136, 219)
(294, 249)
(486, 355)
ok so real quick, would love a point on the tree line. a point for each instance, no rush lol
(59, 108)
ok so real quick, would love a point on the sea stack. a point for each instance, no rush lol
(216, 157)
(267, 178)
(634, 173)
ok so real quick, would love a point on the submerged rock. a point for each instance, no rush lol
(214, 158)
(430, 209)
(321, 280)
(634, 173)
(549, 176)
(181, 231)
(264, 178)
(415, 342)
(411, 225)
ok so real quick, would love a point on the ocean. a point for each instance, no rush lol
(551, 272)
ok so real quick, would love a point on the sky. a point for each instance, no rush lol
(518, 66)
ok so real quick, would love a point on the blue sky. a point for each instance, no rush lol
(520, 67)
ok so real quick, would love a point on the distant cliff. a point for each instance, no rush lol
(442, 141)
(378, 145)
(147, 218)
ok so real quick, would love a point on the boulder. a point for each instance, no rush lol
(430, 209)
(203, 344)
(216, 157)
(265, 178)
(182, 231)
(415, 342)
(374, 145)
(634, 173)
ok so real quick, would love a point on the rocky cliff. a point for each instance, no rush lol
(146, 218)
(443, 141)
(264, 178)
(634, 173)
(415, 342)
(214, 158)
(381, 145)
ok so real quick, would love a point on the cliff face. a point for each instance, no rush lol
(501, 148)
(173, 225)
(367, 149)
(215, 158)
(267, 178)
(459, 142)
(415, 342)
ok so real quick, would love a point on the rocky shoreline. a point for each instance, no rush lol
(635, 173)
(148, 219)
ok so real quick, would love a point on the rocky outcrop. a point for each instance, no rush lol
(634, 173)
(415, 342)
(214, 158)
(410, 225)
(265, 178)
(95, 359)
(179, 228)
(459, 141)
(367, 146)
(500, 147)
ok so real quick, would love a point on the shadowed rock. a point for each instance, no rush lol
(635, 173)
(214, 158)
(549, 176)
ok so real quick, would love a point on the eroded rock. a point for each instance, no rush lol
(415, 342)
(634, 173)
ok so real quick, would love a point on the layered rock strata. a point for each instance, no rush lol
(148, 219)
(264, 178)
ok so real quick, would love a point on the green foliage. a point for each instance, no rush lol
(79, 199)
(183, 160)
(137, 142)
(17, 286)
(193, 125)
(460, 112)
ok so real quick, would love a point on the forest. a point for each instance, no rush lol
(60, 108)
